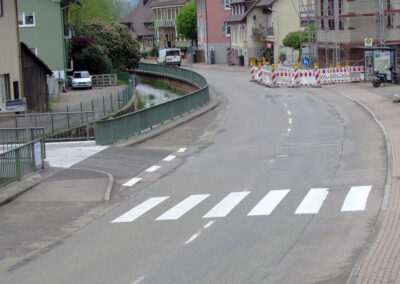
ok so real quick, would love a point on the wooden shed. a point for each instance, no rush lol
(34, 78)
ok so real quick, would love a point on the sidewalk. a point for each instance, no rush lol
(380, 260)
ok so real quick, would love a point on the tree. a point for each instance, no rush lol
(123, 49)
(292, 39)
(186, 22)
(94, 59)
(109, 10)
(79, 43)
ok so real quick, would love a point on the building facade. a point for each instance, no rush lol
(140, 22)
(10, 63)
(259, 27)
(213, 33)
(44, 27)
(164, 14)
(343, 27)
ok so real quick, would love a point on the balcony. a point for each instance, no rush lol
(262, 32)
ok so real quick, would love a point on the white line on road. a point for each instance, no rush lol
(208, 225)
(356, 199)
(140, 279)
(152, 169)
(285, 104)
(182, 150)
(139, 210)
(183, 207)
(226, 205)
(169, 158)
(313, 201)
(192, 238)
(132, 181)
(288, 112)
(269, 202)
(290, 121)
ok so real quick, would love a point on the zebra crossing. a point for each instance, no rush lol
(355, 200)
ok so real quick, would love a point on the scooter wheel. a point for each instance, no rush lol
(376, 84)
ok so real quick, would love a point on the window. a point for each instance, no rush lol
(389, 17)
(1, 8)
(226, 30)
(322, 14)
(227, 4)
(26, 19)
(341, 20)
(331, 12)
(4, 89)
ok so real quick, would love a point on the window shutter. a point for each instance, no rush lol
(222, 4)
(223, 29)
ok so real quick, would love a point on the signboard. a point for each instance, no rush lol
(382, 62)
(14, 106)
(37, 149)
(242, 27)
(368, 41)
(306, 61)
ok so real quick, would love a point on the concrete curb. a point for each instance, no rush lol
(365, 250)
(110, 183)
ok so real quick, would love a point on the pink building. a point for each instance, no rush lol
(213, 34)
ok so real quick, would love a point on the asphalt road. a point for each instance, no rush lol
(282, 186)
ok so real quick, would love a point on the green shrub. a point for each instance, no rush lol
(152, 97)
(94, 59)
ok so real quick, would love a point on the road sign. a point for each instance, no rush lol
(306, 61)
(368, 41)
(14, 106)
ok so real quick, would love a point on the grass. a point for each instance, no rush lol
(122, 82)
(152, 104)
(151, 97)
(167, 95)
(53, 102)
(164, 86)
(140, 103)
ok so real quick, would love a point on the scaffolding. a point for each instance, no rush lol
(341, 25)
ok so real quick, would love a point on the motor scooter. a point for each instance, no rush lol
(382, 78)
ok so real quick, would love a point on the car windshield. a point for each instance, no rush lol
(172, 52)
(81, 75)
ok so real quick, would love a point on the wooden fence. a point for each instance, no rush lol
(102, 80)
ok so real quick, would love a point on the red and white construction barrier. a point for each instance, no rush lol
(291, 77)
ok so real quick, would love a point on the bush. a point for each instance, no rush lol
(154, 52)
(79, 43)
(123, 49)
(93, 59)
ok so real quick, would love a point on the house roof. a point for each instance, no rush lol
(263, 3)
(25, 48)
(166, 3)
(138, 17)
(240, 18)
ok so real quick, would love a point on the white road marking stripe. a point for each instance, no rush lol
(139, 210)
(208, 225)
(132, 181)
(290, 121)
(356, 199)
(289, 113)
(269, 202)
(182, 150)
(169, 158)
(285, 104)
(226, 205)
(152, 169)
(183, 207)
(192, 238)
(313, 201)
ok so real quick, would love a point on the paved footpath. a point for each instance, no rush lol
(380, 261)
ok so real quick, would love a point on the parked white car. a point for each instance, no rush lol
(171, 56)
(81, 79)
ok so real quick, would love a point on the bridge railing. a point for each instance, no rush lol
(111, 130)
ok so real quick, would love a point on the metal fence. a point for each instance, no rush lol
(21, 161)
(111, 130)
(11, 138)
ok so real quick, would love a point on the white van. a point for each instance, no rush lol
(171, 56)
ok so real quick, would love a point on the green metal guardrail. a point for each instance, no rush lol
(21, 161)
(109, 131)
